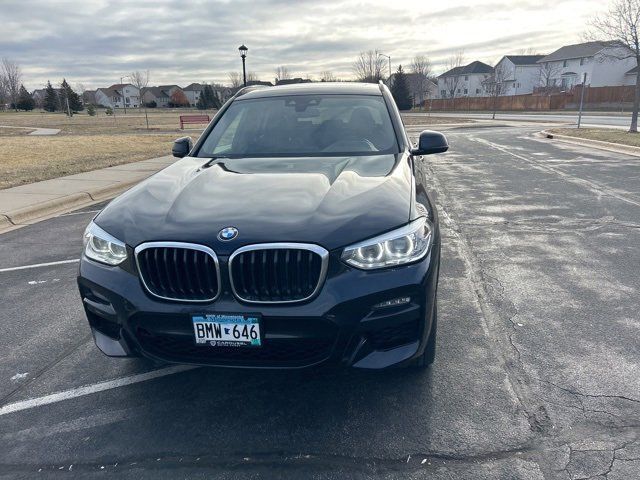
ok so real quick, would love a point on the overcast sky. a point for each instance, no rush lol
(95, 42)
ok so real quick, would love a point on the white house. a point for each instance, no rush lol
(601, 61)
(193, 92)
(465, 81)
(519, 74)
(118, 95)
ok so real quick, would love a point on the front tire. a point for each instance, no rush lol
(429, 354)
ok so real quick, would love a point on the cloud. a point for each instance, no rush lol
(96, 42)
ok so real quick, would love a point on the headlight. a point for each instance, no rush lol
(102, 247)
(404, 245)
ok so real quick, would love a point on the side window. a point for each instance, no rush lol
(228, 134)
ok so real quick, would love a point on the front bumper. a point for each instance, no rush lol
(337, 327)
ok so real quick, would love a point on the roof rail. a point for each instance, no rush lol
(248, 89)
(381, 85)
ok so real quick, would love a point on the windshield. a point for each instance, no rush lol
(303, 125)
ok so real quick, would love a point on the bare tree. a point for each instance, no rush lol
(327, 76)
(11, 80)
(368, 66)
(622, 24)
(282, 73)
(252, 77)
(528, 51)
(141, 80)
(4, 95)
(496, 85)
(235, 79)
(452, 81)
(421, 68)
(546, 74)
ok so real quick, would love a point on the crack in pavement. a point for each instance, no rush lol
(66, 353)
(493, 326)
(500, 317)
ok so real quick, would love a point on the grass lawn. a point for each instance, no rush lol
(10, 132)
(82, 124)
(84, 143)
(27, 159)
(603, 134)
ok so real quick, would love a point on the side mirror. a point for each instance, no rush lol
(431, 142)
(181, 147)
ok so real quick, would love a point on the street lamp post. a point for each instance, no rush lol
(243, 54)
(389, 57)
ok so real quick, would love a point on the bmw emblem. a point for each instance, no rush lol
(228, 233)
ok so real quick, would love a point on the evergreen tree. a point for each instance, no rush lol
(50, 99)
(400, 90)
(69, 100)
(202, 104)
(211, 98)
(25, 100)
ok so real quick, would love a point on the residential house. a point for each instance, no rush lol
(39, 95)
(156, 95)
(421, 88)
(631, 76)
(193, 92)
(223, 93)
(89, 97)
(602, 63)
(118, 96)
(161, 95)
(464, 81)
(519, 74)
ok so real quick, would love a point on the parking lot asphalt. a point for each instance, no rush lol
(537, 373)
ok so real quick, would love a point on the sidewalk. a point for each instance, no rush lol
(27, 204)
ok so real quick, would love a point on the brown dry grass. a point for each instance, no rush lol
(85, 143)
(27, 159)
(603, 134)
(83, 124)
(11, 132)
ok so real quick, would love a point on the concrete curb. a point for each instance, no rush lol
(33, 212)
(41, 210)
(608, 146)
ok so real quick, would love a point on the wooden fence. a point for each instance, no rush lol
(594, 98)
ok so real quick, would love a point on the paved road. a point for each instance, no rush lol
(590, 120)
(536, 375)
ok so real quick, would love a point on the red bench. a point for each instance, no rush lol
(193, 119)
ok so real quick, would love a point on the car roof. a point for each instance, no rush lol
(317, 88)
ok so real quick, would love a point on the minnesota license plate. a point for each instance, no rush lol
(227, 330)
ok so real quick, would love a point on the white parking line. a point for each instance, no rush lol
(89, 389)
(37, 265)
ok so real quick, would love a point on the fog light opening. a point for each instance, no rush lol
(393, 302)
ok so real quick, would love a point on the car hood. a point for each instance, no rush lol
(330, 201)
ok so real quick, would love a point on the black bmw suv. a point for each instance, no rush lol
(297, 231)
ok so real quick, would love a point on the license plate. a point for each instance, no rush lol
(227, 330)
